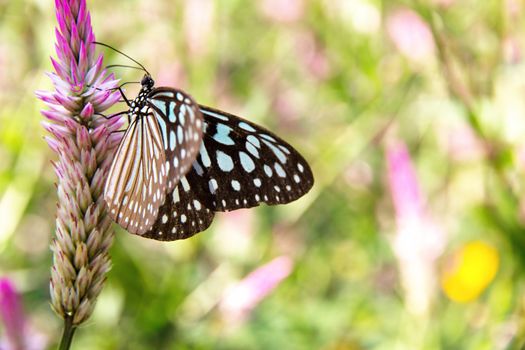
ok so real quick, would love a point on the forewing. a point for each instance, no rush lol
(136, 183)
(241, 164)
(181, 124)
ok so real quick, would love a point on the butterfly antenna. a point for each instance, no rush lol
(122, 53)
(123, 66)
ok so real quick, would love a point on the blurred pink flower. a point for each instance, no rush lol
(511, 50)
(520, 163)
(461, 143)
(513, 8)
(286, 108)
(198, 25)
(12, 315)
(312, 56)
(18, 336)
(240, 299)
(410, 34)
(358, 175)
(511, 46)
(282, 11)
(418, 241)
(404, 187)
(171, 74)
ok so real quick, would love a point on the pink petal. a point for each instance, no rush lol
(11, 313)
(403, 184)
(283, 11)
(244, 296)
(410, 34)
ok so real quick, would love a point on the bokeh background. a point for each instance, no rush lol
(412, 115)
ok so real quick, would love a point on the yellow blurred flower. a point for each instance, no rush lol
(470, 271)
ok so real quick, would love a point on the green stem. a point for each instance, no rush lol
(67, 335)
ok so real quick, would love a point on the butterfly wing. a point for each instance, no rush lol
(136, 183)
(239, 165)
(183, 213)
(181, 125)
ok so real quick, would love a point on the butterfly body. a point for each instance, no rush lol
(179, 163)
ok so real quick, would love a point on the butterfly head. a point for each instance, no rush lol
(147, 82)
(139, 102)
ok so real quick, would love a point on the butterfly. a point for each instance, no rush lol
(180, 162)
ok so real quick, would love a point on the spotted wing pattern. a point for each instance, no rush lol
(239, 165)
(183, 213)
(181, 124)
(136, 184)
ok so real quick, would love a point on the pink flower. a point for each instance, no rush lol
(411, 35)
(84, 143)
(312, 56)
(240, 299)
(282, 11)
(512, 52)
(404, 187)
(11, 314)
(461, 142)
(418, 241)
(513, 8)
(18, 335)
(198, 25)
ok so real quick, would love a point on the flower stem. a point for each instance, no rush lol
(67, 335)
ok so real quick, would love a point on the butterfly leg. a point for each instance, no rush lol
(124, 96)
(119, 88)
(111, 116)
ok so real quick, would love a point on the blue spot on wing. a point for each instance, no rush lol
(173, 140)
(222, 135)
(171, 114)
(161, 105)
(246, 162)
(225, 161)
(246, 127)
(278, 153)
(163, 127)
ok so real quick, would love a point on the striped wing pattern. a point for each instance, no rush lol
(136, 184)
(181, 124)
(239, 165)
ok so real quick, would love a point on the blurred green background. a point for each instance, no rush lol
(350, 83)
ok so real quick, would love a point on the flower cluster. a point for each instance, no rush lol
(84, 141)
